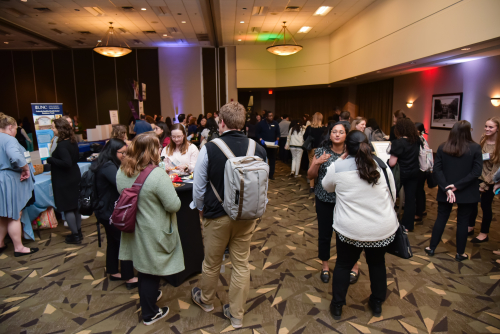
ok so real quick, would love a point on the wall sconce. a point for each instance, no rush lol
(409, 104)
(495, 101)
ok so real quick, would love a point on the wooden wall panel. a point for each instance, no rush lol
(65, 81)
(84, 78)
(147, 62)
(126, 71)
(105, 83)
(7, 85)
(209, 82)
(222, 76)
(25, 81)
(374, 100)
(44, 77)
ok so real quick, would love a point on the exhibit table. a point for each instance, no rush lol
(188, 223)
(44, 198)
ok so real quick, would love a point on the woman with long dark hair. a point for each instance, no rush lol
(66, 178)
(294, 143)
(420, 196)
(398, 114)
(457, 166)
(364, 219)
(105, 170)
(211, 128)
(163, 133)
(168, 121)
(490, 145)
(328, 152)
(405, 151)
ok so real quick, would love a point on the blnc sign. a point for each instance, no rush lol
(43, 115)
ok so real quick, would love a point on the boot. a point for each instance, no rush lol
(80, 233)
(73, 238)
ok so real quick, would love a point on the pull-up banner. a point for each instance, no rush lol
(44, 115)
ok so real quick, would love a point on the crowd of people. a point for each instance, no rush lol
(352, 196)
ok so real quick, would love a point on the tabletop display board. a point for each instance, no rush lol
(43, 115)
(381, 148)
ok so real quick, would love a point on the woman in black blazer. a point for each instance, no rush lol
(458, 164)
(66, 178)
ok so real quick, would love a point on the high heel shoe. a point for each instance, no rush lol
(460, 258)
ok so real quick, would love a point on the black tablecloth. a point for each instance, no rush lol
(188, 222)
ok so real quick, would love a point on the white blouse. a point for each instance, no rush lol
(187, 159)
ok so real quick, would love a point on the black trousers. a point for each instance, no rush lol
(148, 286)
(486, 204)
(464, 211)
(410, 188)
(113, 237)
(271, 158)
(347, 256)
(324, 211)
(283, 153)
(420, 194)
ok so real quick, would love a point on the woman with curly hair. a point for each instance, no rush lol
(405, 150)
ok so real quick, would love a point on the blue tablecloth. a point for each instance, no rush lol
(44, 198)
(85, 146)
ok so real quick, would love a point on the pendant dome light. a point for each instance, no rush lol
(284, 49)
(111, 45)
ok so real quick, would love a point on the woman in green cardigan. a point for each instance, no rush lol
(155, 246)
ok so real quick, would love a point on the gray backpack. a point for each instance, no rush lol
(245, 183)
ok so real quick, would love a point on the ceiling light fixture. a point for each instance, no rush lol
(165, 35)
(409, 104)
(183, 21)
(322, 11)
(143, 8)
(114, 45)
(239, 40)
(465, 49)
(242, 21)
(304, 30)
(284, 49)
(495, 101)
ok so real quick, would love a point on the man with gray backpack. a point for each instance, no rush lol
(230, 191)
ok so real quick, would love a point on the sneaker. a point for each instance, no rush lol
(236, 323)
(159, 295)
(65, 224)
(196, 296)
(161, 314)
(298, 175)
(84, 217)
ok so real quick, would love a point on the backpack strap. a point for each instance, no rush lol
(223, 147)
(251, 147)
(139, 182)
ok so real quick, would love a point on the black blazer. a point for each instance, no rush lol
(462, 172)
(107, 193)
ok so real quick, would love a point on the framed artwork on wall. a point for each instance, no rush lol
(446, 110)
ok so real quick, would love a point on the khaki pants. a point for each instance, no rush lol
(218, 234)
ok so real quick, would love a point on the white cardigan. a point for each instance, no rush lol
(296, 138)
(363, 212)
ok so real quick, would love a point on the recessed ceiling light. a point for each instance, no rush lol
(242, 21)
(304, 30)
(183, 21)
(143, 8)
(165, 35)
(98, 41)
(465, 49)
(322, 11)
(239, 40)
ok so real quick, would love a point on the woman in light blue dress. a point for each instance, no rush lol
(16, 186)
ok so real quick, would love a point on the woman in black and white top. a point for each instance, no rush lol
(364, 219)
(459, 162)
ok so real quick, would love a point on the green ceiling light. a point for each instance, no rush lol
(112, 45)
(284, 49)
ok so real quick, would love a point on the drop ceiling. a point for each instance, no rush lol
(38, 24)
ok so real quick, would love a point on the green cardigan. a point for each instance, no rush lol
(155, 246)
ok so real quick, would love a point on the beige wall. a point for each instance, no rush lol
(180, 80)
(479, 80)
(386, 33)
(232, 90)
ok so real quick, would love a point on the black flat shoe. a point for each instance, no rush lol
(114, 278)
(325, 276)
(376, 308)
(32, 251)
(353, 277)
(477, 241)
(429, 252)
(131, 286)
(336, 311)
(460, 258)
(470, 233)
(73, 239)
(311, 190)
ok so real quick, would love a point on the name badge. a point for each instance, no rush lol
(27, 155)
(486, 156)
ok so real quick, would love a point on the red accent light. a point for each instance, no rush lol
(270, 92)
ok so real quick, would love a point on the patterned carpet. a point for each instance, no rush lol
(63, 288)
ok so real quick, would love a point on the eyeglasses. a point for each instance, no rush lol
(122, 153)
(177, 137)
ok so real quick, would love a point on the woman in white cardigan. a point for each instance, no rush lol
(294, 143)
(364, 219)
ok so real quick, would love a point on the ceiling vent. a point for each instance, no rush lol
(33, 43)
(85, 32)
(255, 30)
(5, 33)
(80, 42)
(123, 30)
(57, 31)
(149, 32)
(96, 11)
(128, 9)
(202, 37)
(161, 10)
(137, 42)
(173, 30)
(15, 12)
(259, 11)
(292, 9)
(43, 9)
